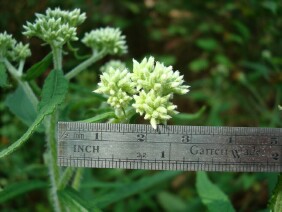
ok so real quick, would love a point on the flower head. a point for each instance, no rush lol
(115, 64)
(109, 39)
(118, 86)
(20, 52)
(73, 18)
(152, 86)
(158, 109)
(7, 43)
(149, 75)
(56, 27)
(9, 48)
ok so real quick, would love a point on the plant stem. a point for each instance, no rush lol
(16, 74)
(52, 165)
(29, 92)
(21, 67)
(57, 57)
(82, 66)
(52, 146)
(13, 71)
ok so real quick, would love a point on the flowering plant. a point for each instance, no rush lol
(147, 90)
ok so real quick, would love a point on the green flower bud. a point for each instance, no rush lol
(150, 76)
(109, 39)
(158, 109)
(7, 43)
(115, 64)
(118, 86)
(73, 18)
(56, 27)
(20, 52)
(10, 49)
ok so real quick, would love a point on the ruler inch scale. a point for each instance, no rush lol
(185, 148)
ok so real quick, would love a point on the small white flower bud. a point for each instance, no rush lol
(109, 39)
(56, 27)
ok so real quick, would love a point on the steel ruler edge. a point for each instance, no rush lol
(186, 148)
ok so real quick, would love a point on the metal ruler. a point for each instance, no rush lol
(136, 146)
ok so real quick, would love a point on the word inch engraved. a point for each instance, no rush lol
(194, 148)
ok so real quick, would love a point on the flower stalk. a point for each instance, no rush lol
(85, 64)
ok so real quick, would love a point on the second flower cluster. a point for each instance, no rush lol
(149, 89)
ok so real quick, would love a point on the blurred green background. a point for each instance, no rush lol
(230, 53)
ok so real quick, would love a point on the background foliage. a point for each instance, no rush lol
(230, 54)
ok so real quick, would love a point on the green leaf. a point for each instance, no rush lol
(100, 184)
(275, 202)
(212, 197)
(222, 59)
(171, 202)
(235, 38)
(256, 69)
(3, 75)
(272, 6)
(38, 68)
(54, 90)
(65, 177)
(17, 189)
(101, 117)
(21, 106)
(53, 94)
(198, 65)
(184, 118)
(208, 44)
(74, 202)
(134, 188)
(25, 136)
(242, 29)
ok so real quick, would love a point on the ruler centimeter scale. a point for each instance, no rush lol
(186, 148)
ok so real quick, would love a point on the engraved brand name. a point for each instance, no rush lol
(86, 148)
(197, 150)
(248, 151)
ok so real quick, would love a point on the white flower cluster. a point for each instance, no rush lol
(73, 18)
(108, 39)
(150, 76)
(113, 64)
(20, 52)
(56, 27)
(156, 85)
(11, 49)
(152, 86)
(118, 86)
(157, 109)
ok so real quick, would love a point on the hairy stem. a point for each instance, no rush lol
(13, 71)
(52, 164)
(29, 92)
(16, 74)
(21, 67)
(82, 66)
(57, 57)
